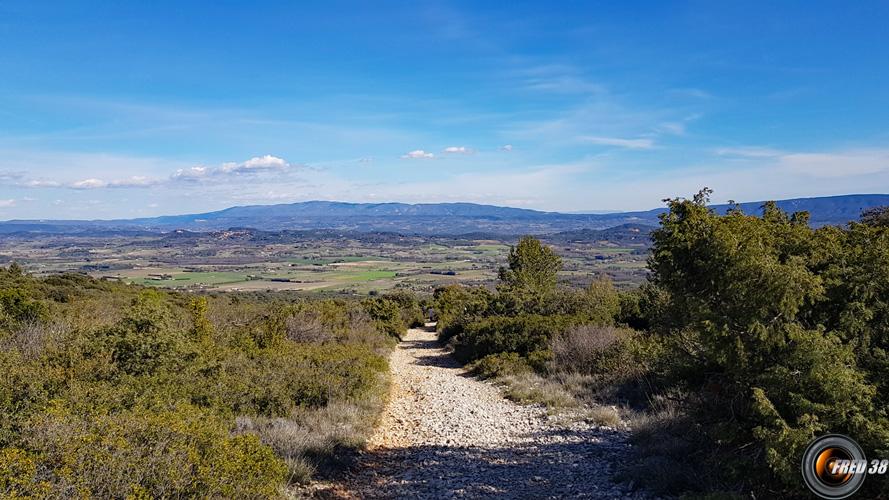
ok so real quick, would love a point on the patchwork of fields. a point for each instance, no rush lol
(241, 261)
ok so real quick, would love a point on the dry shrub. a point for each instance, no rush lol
(528, 387)
(306, 326)
(669, 448)
(313, 441)
(602, 352)
(32, 338)
(604, 415)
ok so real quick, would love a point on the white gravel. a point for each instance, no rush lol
(445, 434)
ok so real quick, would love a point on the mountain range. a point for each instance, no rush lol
(426, 218)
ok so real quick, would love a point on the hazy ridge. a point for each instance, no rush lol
(427, 218)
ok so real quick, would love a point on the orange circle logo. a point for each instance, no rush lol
(832, 466)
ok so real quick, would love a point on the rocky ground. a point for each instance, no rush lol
(446, 434)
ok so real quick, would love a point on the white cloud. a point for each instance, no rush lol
(417, 154)
(749, 152)
(42, 183)
(675, 128)
(829, 165)
(846, 163)
(692, 92)
(557, 79)
(619, 142)
(463, 150)
(6, 176)
(256, 164)
(191, 173)
(7, 203)
(196, 173)
(506, 147)
(88, 184)
(135, 181)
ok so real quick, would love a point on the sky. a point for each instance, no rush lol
(131, 109)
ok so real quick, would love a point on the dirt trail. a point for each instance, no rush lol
(445, 434)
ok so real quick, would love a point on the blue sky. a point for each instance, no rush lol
(125, 109)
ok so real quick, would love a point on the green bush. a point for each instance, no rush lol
(524, 334)
(171, 453)
(500, 364)
(410, 310)
(17, 307)
(387, 315)
(18, 475)
(135, 392)
(456, 306)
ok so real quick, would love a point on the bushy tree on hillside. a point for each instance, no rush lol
(531, 276)
(745, 336)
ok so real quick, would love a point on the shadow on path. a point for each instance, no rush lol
(577, 467)
(433, 354)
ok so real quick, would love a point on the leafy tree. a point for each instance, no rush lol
(602, 302)
(531, 276)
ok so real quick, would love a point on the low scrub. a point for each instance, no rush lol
(116, 391)
(500, 365)
(524, 335)
(529, 387)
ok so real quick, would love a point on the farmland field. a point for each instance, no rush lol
(247, 260)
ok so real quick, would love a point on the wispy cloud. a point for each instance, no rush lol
(417, 154)
(7, 203)
(88, 184)
(640, 143)
(557, 79)
(832, 165)
(136, 181)
(506, 147)
(252, 167)
(691, 92)
(41, 183)
(851, 162)
(460, 150)
(749, 152)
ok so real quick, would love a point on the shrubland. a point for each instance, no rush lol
(110, 390)
(753, 335)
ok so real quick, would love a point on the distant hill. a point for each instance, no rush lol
(425, 218)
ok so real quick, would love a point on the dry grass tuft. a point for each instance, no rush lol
(529, 387)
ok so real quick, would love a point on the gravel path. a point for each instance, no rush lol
(445, 434)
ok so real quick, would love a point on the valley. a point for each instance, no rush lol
(317, 261)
